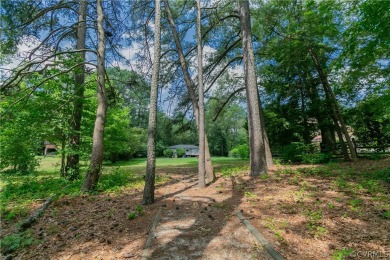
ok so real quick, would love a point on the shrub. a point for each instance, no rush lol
(234, 153)
(17, 241)
(241, 151)
(168, 153)
(20, 158)
(316, 158)
(139, 211)
(160, 147)
(294, 152)
(132, 215)
(180, 152)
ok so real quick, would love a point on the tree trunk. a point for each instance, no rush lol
(201, 160)
(63, 144)
(325, 125)
(327, 134)
(344, 149)
(268, 152)
(339, 133)
(334, 104)
(258, 161)
(148, 197)
(210, 176)
(93, 172)
(305, 124)
(73, 158)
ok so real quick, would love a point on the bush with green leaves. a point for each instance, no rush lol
(234, 153)
(117, 135)
(180, 152)
(160, 147)
(316, 158)
(294, 152)
(168, 153)
(20, 143)
(241, 151)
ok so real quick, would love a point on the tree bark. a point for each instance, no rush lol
(328, 138)
(334, 104)
(305, 124)
(63, 144)
(258, 161)
(148, 196)
(344, 149)
(210, 176)
(201, 160)
(268, 152)
(73, 158)
(93, 172)
(325, 125)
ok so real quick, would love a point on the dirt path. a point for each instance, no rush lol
(201, 224)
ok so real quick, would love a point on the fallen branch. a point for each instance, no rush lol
(267, 246)
(32, 218)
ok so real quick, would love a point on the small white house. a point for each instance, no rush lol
(191, 150)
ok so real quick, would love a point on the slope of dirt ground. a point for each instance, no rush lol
(302, 216)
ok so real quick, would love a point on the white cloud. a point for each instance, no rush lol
(129, 53)
(208, 51)
(237, 71)
(126, 35)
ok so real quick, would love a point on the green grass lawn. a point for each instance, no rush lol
(176, 162)
(53, 163)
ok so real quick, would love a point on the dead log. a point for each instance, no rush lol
(28, 222)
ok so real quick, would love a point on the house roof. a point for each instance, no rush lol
(318, 138)
(183, 146)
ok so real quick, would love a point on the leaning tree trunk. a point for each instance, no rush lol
(201, 161)
(334, 104)
(258, 161)
(268, 153)
(73, 158)
(344, 149)
(148, 197)
(93, 172)
(210, 176)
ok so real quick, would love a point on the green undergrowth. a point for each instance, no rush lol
(137, 212)
(344, 177)
(341, 254)
(357, 185)
(18, 192)
(228, 171)
(17, 241)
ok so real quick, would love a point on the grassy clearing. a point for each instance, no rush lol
(20, 191)
(176, 162)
